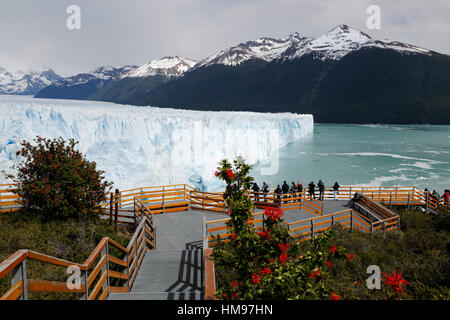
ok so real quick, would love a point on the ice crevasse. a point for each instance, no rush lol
(148, 146)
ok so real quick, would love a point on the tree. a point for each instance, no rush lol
(55, 180)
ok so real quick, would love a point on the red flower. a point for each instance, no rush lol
(333, 249)
(284, 248)
(234, 283)
(230, 174)
(350, 256)
(271, 260)
(233, 236)
(265, 234)
(329, 263)
(265, 271)
(256, 278)
(334, 296)
(273, 214)
(216, 173)
(283, 258)
(315, 274)
(395, 281)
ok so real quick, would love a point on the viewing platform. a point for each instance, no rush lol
(169, 255)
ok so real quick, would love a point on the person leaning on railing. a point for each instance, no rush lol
(293, 191)
(311, 190)
(446, 197)
(255, 189)
(265, 190)
(336, 190)
(278, 192)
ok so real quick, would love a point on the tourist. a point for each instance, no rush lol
(336, 190)
(300, 189)
(293, 190)
(311, 190)
(255, 189)
(436, 194)
(285, 188)
(265, 190)
(446, 197)
(278, 192)
(321, 190)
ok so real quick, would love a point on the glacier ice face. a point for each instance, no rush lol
(146, 146)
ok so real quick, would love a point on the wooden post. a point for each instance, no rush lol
(351, 220)
(332, 220)
(107, 283)
(86, 286)
(20, 274)
(111, 209)
(163, 200)
(312, 228)
(204, 234)
(409, 199)
(350, 193)
(116, 209)
(390, 199)
(426, 202)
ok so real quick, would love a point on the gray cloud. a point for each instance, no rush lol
(33, 34)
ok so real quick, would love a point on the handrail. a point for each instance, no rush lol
(134, 254)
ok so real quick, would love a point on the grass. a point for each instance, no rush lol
(420, 250)
(70, 240)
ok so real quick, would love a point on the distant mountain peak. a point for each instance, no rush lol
(172, 66)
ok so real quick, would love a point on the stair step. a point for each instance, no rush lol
(193, 295)
(170, 271)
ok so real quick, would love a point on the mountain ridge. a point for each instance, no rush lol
(344, 75)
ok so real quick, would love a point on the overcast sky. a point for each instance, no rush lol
(33, 33)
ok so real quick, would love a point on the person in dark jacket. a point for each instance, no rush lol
(321, 190)
(336, 190)
(285, 188)
(300, 189)
(255, 189)
(278, 192)
(311, 190)
(265, 190)
(293, 191)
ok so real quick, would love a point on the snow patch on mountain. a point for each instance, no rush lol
(28, 82)
(266, 49)
(104, 73)
(167, 66)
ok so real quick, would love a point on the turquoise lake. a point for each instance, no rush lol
(369, 155)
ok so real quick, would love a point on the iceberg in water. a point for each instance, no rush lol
(148, 146)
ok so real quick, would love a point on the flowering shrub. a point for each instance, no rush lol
(395, 283)
(265, 262)
(56, 181)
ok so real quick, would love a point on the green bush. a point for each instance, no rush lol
(56, 180)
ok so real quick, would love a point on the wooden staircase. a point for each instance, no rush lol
(168, 275)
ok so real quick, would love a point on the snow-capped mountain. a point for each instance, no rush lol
(266, 49)
(334, 45)
(342, 40)
(104, 73)
(26, 82)
(170, 67)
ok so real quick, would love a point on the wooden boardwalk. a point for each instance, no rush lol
(175, 269)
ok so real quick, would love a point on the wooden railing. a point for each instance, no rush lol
(9, 202)
(173, 198)
(96, 271)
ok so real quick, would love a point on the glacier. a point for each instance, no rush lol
(148, 146)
